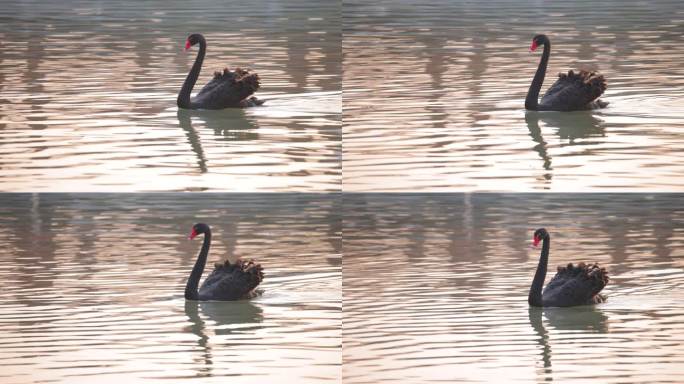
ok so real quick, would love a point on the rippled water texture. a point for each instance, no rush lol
(435, 289)
(91, 289)
(88, 96)
(434, 93)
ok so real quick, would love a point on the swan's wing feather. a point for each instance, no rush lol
(213, 83)
(213, 277)
(233, 281)
(228, 88)
(557, 86)
(574, 91)
(575, 285)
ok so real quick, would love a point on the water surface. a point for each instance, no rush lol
(91, 289)
(434, 94)
(435, 289)
(88, 97)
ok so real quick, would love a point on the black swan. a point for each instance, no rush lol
(226, 89)
(572, 285)
(227, 281)
(571, 92)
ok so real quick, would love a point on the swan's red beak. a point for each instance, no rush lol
(187, 44)
(534, 46)
(192, 234)
(537, 239)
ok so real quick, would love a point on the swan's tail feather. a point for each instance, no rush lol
(596, 276)
(244, 82)
(575, 91)
(248, 274)
(240, 265)
(591, 83)
(252, 272)
(593, 79)
(229, 89)
(247, 83)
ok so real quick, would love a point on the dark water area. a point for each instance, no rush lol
(435, 288)
(91, 288)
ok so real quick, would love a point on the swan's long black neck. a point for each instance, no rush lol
(532, 99)
(535, 296)
(191, 292)
(183, 100)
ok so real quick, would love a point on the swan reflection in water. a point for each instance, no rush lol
(225, 318)
(569, 126)
(586, 318)
(228, 124)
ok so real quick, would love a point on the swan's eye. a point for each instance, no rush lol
(187, 44)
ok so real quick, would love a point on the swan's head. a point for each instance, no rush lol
(537, 41)
(198, 229)
(192, 40)
(539, 235)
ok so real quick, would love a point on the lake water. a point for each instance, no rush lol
(91, 289)
(88, 97)
(434, 94)
(435, 289)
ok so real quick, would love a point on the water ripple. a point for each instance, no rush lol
(435, 288)
(91, 106)
(92, 285)
(433, 97)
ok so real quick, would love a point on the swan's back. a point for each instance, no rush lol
(227, 89)
(232, 281)
(575, 285)
(575, 91)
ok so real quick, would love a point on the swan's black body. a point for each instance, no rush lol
(572, 285)
(571, 92)
(227, 89)
(227, 281)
